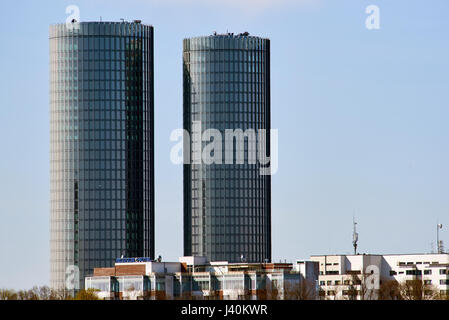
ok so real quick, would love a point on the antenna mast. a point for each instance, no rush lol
(355, 236)
(440, 248)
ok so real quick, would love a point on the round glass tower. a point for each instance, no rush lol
(227, 205)
(102, 177)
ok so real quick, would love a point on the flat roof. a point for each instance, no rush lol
(378, 254)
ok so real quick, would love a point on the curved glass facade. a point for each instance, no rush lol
(102, 176)
(227, 207)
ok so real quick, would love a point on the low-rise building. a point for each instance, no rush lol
(363, 275)
(196, 278)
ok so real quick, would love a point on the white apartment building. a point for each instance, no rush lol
(360, 276)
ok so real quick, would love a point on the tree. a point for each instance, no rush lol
(274, 293)
(302, 290)
(61, 295)
(363, 286)
(88, 294)
(352, 293)
(262, 294)
(6, 294)
(390, 290)
(45, 293)
(186, 295)
(36, 293)
(32, 294)
(417, 290)
(331, 293)
(321, 293)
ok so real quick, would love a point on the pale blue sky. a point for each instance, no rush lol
(362, 118)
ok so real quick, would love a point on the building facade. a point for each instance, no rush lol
(196, 278)
(102, 176)
(227, 201)
(365, 276)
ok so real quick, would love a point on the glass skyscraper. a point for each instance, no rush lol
(102, 167)
(227, 206)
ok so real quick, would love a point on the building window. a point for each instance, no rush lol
(413, 272)
(331, 272)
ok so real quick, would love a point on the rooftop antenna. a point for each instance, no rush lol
(355, 235)
(439, 243)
